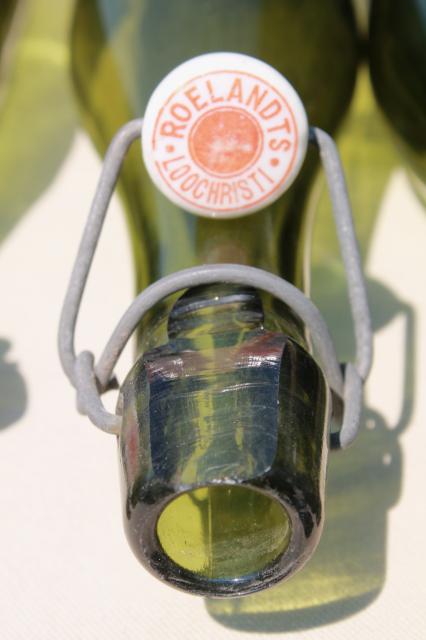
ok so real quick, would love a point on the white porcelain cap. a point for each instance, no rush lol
(224, 135)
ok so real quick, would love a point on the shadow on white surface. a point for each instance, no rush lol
(348, 570)
(13, 395)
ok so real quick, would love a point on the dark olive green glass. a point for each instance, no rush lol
(225, 412)
(398, 70)
(223, 447)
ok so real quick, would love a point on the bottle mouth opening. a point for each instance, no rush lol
(225, 533)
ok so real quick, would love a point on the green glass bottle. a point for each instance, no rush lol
(121, 51)
(225, 412)
(398, 71)
(224, 445)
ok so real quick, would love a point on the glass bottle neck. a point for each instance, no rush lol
(166, 239)
(121, 51)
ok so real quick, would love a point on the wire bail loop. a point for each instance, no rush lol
(91, 380)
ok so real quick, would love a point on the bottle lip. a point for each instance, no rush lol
(151, 554)
(224, 135)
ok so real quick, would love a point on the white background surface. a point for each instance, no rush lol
(66, 569)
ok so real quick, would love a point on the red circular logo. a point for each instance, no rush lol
(225, 141)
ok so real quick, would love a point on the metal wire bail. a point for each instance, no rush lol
(91, 380)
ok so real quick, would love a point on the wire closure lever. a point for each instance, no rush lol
(91, 381)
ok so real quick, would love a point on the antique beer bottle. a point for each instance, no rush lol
(226, 412)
